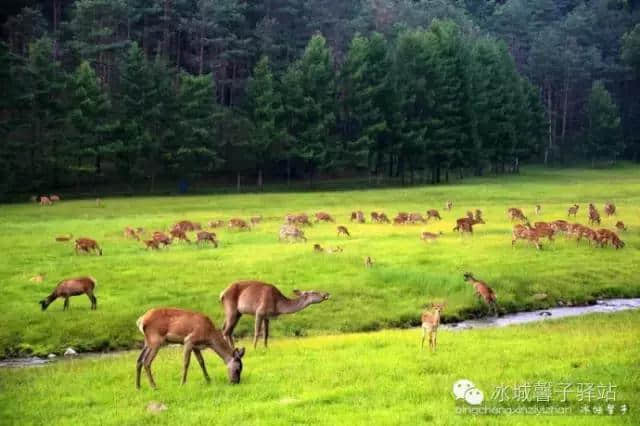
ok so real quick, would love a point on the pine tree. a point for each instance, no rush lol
(603, 133)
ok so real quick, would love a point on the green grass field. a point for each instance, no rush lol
(408, 274)
(380, 378)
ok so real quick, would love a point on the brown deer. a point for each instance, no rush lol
(324, 217)
(620, 226)
(610, 209)
(72, 287)
(179, 234)
(64, 238)
(186, 226)
(516, 214)
(559, 225)
(152, 244)
(382, 218)
(430, 324)
(430, 236)
(573, 210)
(207, 237)
(264, 301)
(45, 201)
(368, 262)
(448, 206)
(538, 210)
(544, 230)
(478, 216)
(342, 230)
(527, 233)
(357, 216)
(594, 217)
(255, 220)
(375, 217)
(483, 291)
(416, 217)
(433, 214)
(193, 330)
(87, 245)
(465, 224)
(606, 236)
(54, 197)
(161, 238)
(131, 233)
(216, 223)
(237, 223)
(288, 232)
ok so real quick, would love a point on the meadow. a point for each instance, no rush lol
(408, 273)
(380, 378)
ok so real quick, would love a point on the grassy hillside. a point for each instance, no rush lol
(380, 378)
(408, 274)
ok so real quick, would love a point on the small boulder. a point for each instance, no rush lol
(70, 352)
(51, 356)
(156, 407)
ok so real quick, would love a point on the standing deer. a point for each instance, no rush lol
(238, 223)
(573, 210)
(483, 290)
(357, 216)
(433, 214)
(538, 210)
(54, 197)
(152, 244)
(342, 230)
(207, 237)
(264, 301)
(290, 231)
(324, 217)
(72, 287)
(193, 330)
(430, 324)
(368, 263)
(525, 232)
(131, 233)
(87, 245)
(45, 201)
(610, 209)
(161, 238)
(448, 205)
(179, 233)
(465, 224)
(516, 214)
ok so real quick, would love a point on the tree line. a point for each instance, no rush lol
(101, 91)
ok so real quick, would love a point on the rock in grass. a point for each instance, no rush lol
(156, 407)
(51, 356)
(70, 352)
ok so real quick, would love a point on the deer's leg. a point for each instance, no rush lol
(66, 304)
(198, 355)
(231, 319)
(143, 354)
(266, 331)
(256, 331)
(424, 335)
(93, 300)
(148, 359)
(188, 348)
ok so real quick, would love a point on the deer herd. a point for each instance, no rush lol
(263, 301)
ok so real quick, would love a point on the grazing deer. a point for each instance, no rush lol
(448, 205)
(433, 214)
(379, 217)
(357, 216)
(72, 287)
(216, 223)
(544, 230)
(527, 233)
(605, 236)
(483, 290)
(620, 226)
(87, 245)
(430, 324)
(193, 330)
(573, 210)
(610, 209)
(178, 233)
(264, 301)
(255, 220)
(131, 233)
(207, 237)
(161, 238)
(465, 224)
(152, 244)
(538, 210)
(186, 226)
(516, 214)
(324, 217)
(342, 230)
(288, 232)
(559, 225)
(238, 223)
(54, 198)
(318, 248)
(45, 201)
(416, 217)
(430, 236)
(368, 263)
(64, 238)
(594, 217)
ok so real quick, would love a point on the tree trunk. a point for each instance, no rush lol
(446, 175)
(564, 108)
(238, 182)
(288, 172)
(547, 151)
(260, 179)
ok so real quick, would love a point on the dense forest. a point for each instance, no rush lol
(134, 92)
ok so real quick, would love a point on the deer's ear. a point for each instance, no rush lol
(297, 292)
(238, 353)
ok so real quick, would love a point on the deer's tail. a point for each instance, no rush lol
(140, 325)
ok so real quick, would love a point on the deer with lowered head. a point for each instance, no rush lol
(342, 230)
(430, 324)
(72, 287)
(87, 245)
(264, 301)
(483, 291)
(193, 330)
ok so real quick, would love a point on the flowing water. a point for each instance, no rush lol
(601, 306)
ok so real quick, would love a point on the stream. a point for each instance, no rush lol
(601, 306)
